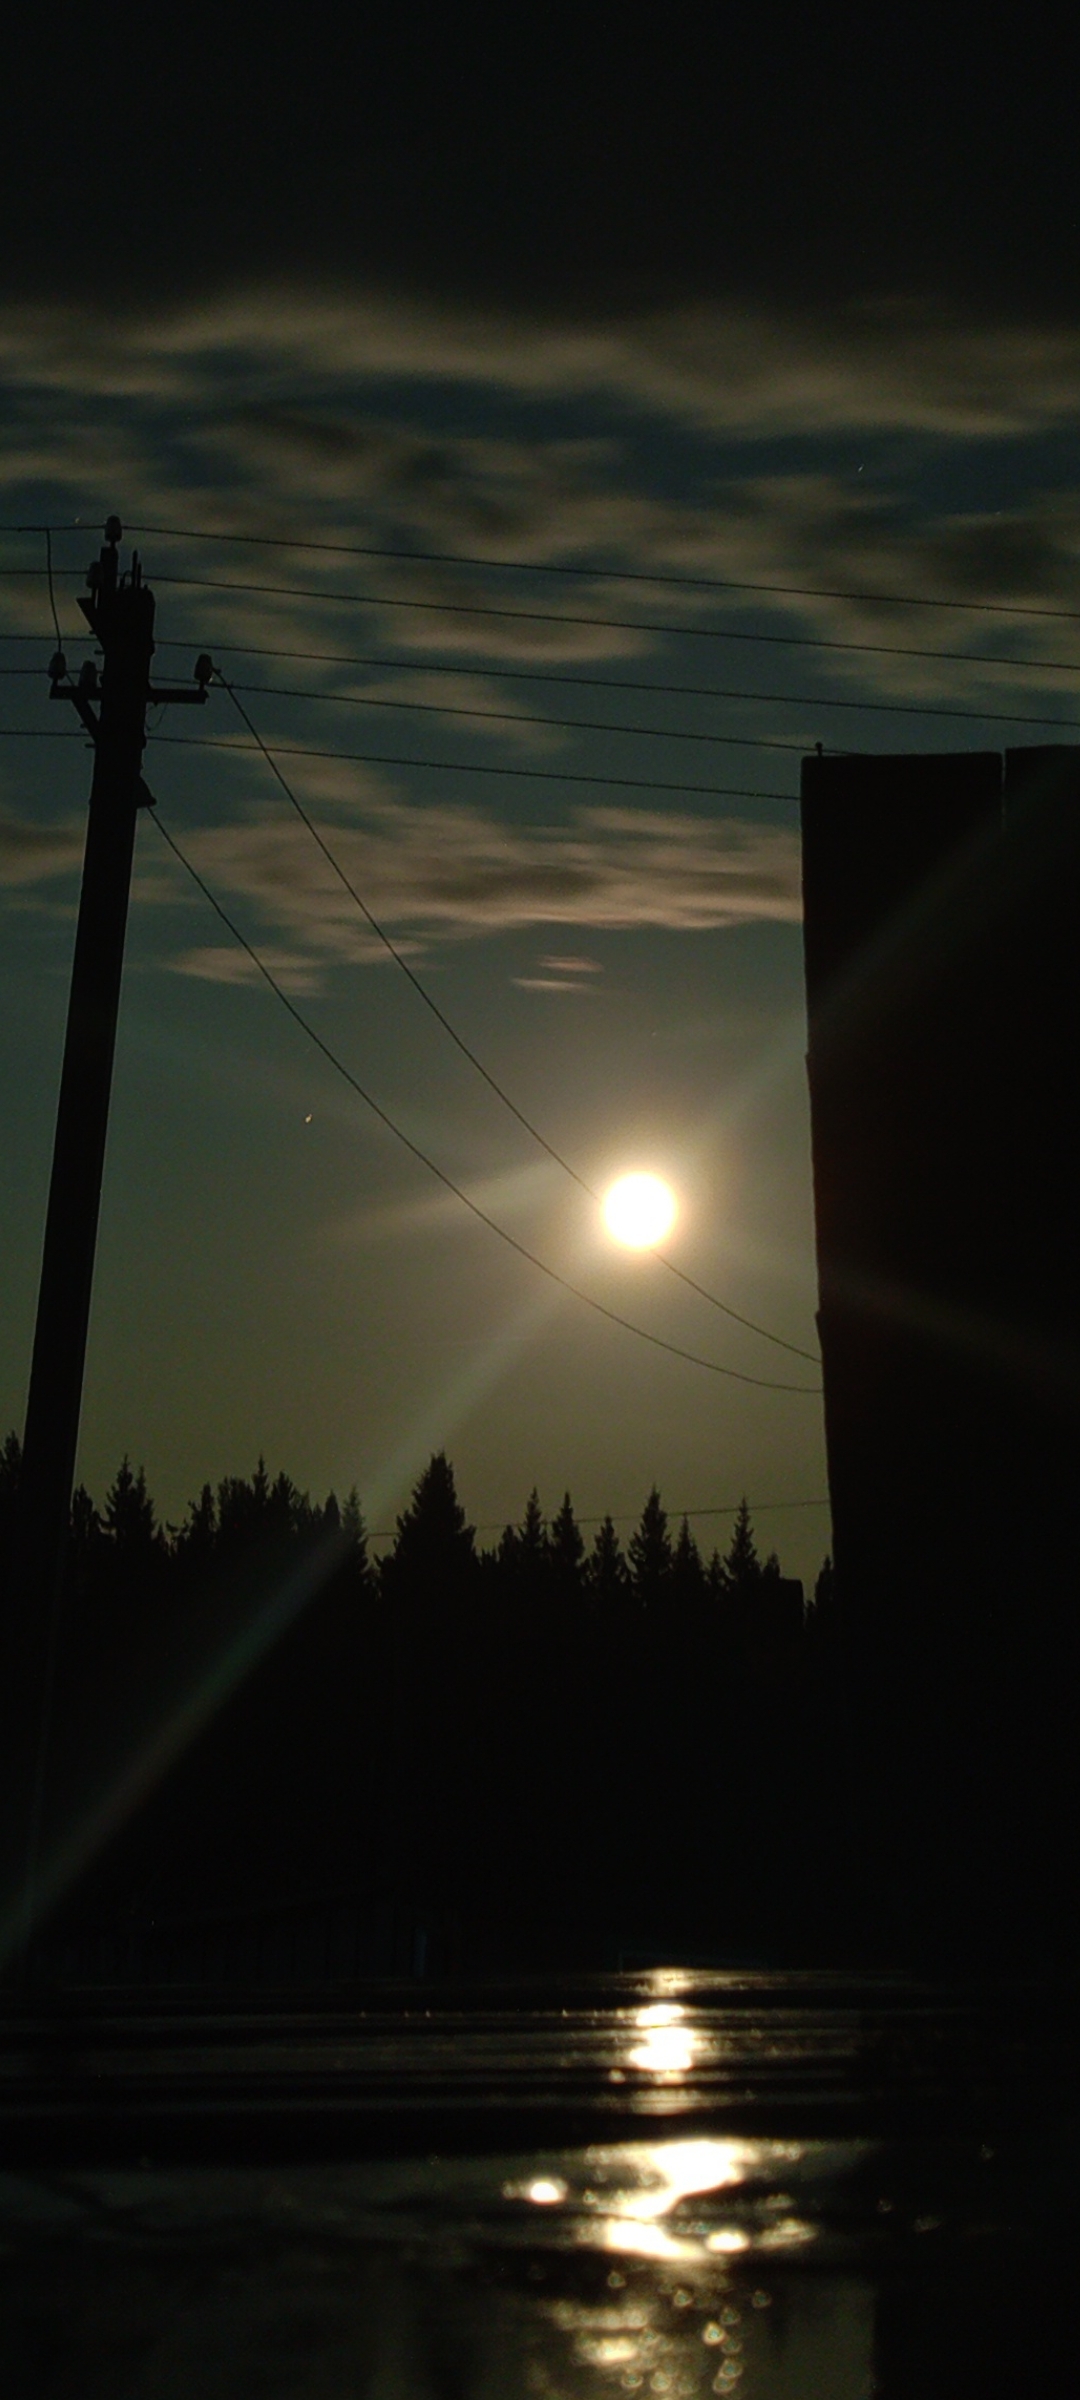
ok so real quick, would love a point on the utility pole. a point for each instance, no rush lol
(112, 704)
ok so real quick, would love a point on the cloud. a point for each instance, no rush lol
(894, 364)
(552, 983)
(31, 854)
(280, 412)
(451, 874)
(474, 702)
(227, 963)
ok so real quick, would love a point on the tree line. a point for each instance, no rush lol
(563, 1746)
(125, 1543)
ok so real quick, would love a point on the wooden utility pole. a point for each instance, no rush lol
(112, 704)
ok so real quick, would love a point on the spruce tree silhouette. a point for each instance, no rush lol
(482, 1739)
(825, 1592)
(430, 1583)
(742, 1566)
(195, 1542)
(355, 1531)
(434, 1542)
(607, 1578)
(133, 1553)
(567, 1552)
(533, 1528)
(128, 1516)
(529, 1559)
(650, 1556)
(687, 1572)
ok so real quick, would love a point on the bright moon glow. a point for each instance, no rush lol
(639, 1210)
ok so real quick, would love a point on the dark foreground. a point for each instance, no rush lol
(782, 2187)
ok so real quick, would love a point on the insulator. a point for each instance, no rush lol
(204, 668)
(114, 531)
(88, 676)
(57, 666)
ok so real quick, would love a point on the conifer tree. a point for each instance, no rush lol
(287, 1511)
(352, 1519)
(128, 1517)
(606, 1574)
(433, 1538)
(742, 1567)
(354, 1530)
(687, 1572)
(650, 1555)
(522, 1560)
(716, 1582)
(85, 1521)
(196, 1540)
(567, 1550)
(506, 1553)
(533, 1536)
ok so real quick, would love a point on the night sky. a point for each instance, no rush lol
(798, 310)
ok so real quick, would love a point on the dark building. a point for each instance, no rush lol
(942, 939)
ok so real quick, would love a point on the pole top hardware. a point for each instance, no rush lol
(107, 592)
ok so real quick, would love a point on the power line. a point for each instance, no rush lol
(575, 681)
(535, 566)
(734, 1374)
(455, 766)
(495, 716)
(715, 1508)
(443, 1020)
(594, 573)
(536, 616)
(614, 683)
(629, 1516)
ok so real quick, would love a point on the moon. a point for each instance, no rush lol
(639, 1210)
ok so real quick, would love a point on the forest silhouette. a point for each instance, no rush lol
(547, 1751)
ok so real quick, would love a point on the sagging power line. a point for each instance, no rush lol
(597, 572)
(571, 679)
(674, 1350)
(630, 1516)
(467, 1052)
(464, 766)
(676, 629)
(493, 716)
(533, 616)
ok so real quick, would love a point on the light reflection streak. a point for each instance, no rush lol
(471, 1381)
(677, 2170)
(657, 2333)
(665, 2052)
(668, 2046)
(626, 2200)
(73, 1850)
